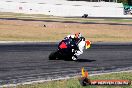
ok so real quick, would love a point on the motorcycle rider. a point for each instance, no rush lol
(79, 40)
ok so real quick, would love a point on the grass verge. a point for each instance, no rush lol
(55, 18)
(30, 27)
(74, 83)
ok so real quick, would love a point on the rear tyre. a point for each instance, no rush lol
(53, 56)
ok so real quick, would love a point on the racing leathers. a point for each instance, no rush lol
(80, 43)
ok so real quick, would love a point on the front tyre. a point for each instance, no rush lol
(53, 56)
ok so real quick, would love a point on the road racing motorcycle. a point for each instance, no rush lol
(66, 50)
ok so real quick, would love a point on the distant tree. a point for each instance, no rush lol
(130, 2)
(123, 1)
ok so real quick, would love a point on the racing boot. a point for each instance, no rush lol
(74, 58)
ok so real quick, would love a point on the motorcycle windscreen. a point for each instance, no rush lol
(63, 45)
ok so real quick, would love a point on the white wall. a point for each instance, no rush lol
(66, 8)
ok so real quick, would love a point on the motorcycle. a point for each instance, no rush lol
(66, 49)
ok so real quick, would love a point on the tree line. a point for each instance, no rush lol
(129, 2)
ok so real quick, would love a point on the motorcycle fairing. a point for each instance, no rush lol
(63, 45)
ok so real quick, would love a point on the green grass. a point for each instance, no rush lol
(118, 20)
(74, 83)
(55, 18)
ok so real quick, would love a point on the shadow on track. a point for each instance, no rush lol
(85, 60)
(79, 60)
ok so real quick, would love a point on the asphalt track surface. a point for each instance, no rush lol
(26, 62)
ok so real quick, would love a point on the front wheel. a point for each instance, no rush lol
(53, 55)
